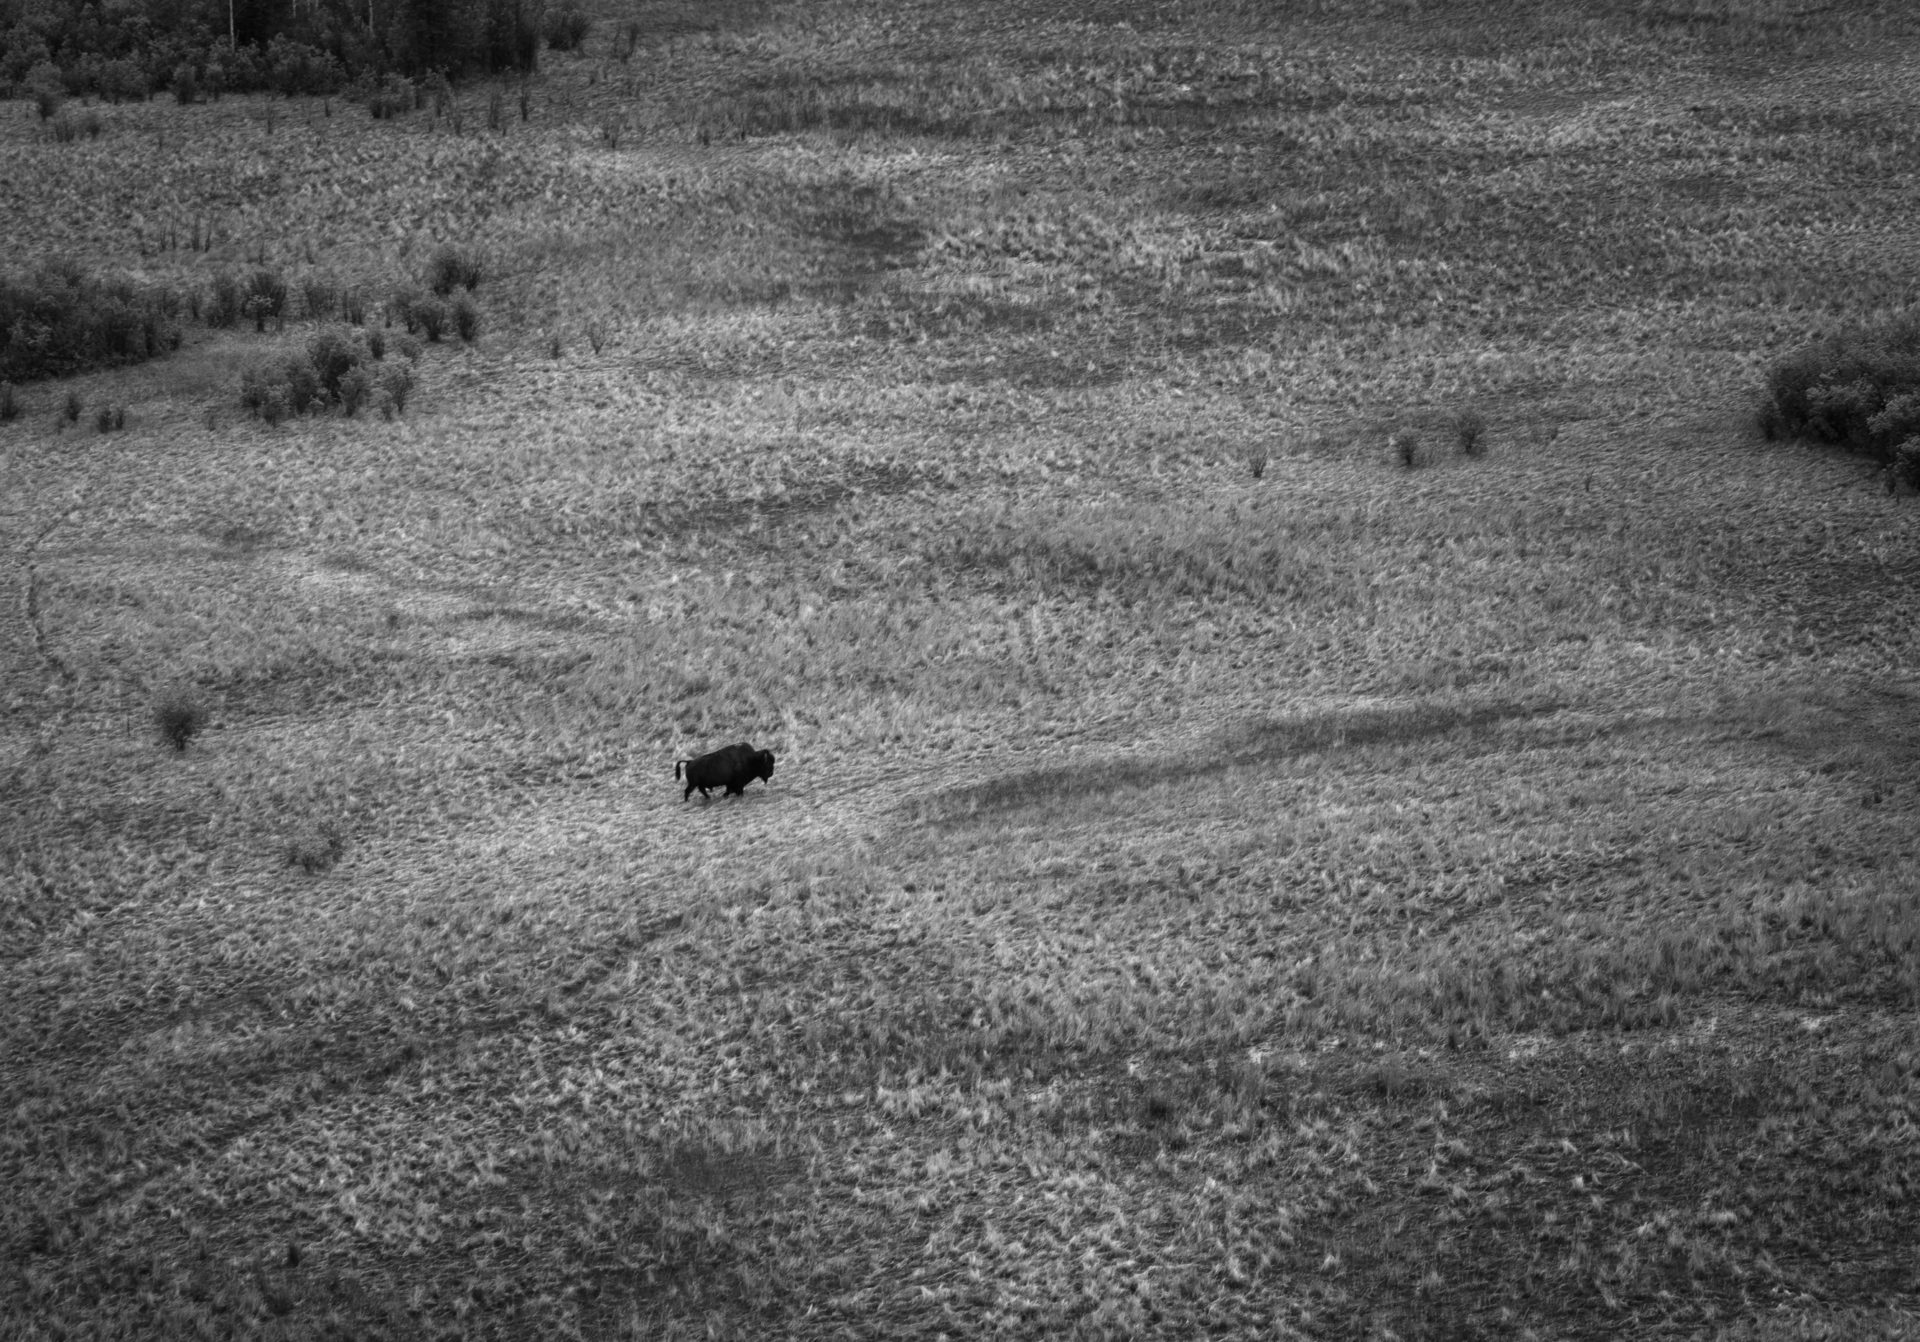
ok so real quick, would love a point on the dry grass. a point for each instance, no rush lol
(1308, 897)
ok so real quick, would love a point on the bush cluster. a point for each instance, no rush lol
(566, 26)
(1859, 389)
(135, 49)
(339, 369)
(60, 320)
(446, 304)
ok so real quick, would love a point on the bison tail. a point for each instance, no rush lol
(676, 768)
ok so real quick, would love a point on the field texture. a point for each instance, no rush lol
(1240, 863)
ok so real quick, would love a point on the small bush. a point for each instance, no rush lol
(407, 348)
(451, 268)
(429, 316)
(466, 318)
(73, 407)
(1407, 448)
(566, 26)
(353, 306)
(9, 407)
(376, 343)
(1904, 469)
(392, 96)
(110, 417)
(356, 389)
(1470, 432)
(266, 297)
(228, 301)
(65, 129)
(1859, 389)
(179, 717)
(186, 85)
(47, 89)
(316, 848)
(321, 297)
(396, 383)
(553, 346)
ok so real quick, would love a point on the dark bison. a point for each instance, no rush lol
(732, 769)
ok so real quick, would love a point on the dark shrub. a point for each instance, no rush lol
(60, 320)
(186, 85)
(429, 316)
(179, 716)
(1470, 432)
(321, 296)
(1856, 389)
(9, 407)
(451, 268)
(392, 96)
(266, 297)
(228, 302)
(353, 306)
(356, 388)
(566, 26)
(466, 318)
(47, 89)
(332, 354)
(302, 384)
(73, 407)
(396, 382)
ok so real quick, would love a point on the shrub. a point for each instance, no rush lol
(332, 354)
(186, 85)
(47, 89)
(1407, 448)
(566, 26)
(1470, 432)
(466, 318)
(315, 848)
(353, 306)
(390, 97)
(1857, 389)
(9, 407)
(229, 299)
(110, 417)
(428, 315)
(451, 268)
(376, 343)
(266, 296)
(122, 81)
(1904, 469)
(396, 382)
(356, 389)
(407, 348)
(179, 717)
(321, 296)
(73, 407)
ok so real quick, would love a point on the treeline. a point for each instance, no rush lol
(203, 48)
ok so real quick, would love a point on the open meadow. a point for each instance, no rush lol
(1332, 783)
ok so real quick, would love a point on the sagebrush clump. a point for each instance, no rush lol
(341, 368)
(453, 268)
(1858, 389)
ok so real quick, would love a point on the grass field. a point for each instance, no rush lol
(1238, 864)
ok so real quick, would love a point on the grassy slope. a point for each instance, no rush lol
(1467, 900)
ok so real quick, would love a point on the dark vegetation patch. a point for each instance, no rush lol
(61, 320)
(1858, 388)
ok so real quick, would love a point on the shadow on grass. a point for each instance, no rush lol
(1252, 744)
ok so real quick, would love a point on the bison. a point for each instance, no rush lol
(732, 769)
